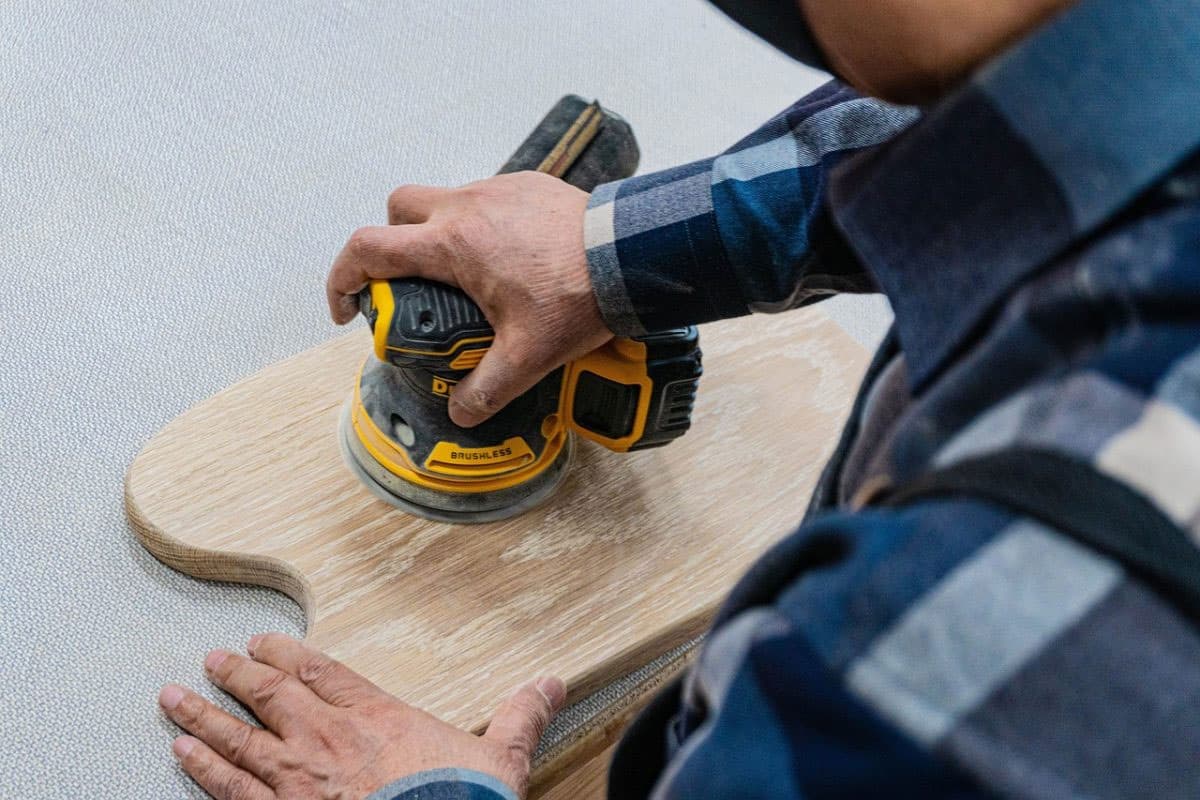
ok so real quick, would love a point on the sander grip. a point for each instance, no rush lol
(627, 395)
(437, 327)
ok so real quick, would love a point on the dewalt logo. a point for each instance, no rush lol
(442, 387)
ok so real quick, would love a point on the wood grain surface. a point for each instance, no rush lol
(629, 559)
(588, 782)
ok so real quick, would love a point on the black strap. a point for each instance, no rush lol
(825, 493)
(644, 749)
(1079, 500)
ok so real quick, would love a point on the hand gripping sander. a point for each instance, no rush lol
(629, 394)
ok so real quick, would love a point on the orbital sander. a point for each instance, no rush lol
(629, 394)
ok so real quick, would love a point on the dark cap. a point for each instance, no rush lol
(780, 23)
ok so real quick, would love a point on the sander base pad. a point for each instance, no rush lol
(458, 507)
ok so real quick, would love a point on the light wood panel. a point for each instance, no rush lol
(629, 559)
(588, 782)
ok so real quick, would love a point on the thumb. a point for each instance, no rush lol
(498, 380)
(522, 718)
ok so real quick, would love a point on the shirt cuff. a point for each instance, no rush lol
(655, 255)
(448, 783)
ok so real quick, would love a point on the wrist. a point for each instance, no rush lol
(450, 783)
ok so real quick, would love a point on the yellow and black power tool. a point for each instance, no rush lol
(627, 395)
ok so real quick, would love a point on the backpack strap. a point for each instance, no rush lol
(1079, 500)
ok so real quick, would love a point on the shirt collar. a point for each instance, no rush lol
(1043, 145)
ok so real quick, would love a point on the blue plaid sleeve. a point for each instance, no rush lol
(744, 231)
(445, 784)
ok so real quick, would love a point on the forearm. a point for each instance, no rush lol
(745, 231)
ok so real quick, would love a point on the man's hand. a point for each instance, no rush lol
(514, 243)
(330, 733)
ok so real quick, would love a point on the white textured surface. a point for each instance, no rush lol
(174, 180)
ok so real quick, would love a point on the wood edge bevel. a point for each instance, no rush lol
(601, 732)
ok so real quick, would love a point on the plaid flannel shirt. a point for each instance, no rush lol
(1038, 235)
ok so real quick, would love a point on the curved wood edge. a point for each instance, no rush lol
(218, 565)
(582, 746)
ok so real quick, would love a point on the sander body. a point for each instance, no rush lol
(629, 394)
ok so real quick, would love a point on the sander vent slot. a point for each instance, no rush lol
(403, 431)
(677, 405)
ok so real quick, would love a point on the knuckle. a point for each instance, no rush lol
(401, 198)
(334, 734)
(241, 744)
(466, 234)
(473, 190)
(539, 713)
(268, 769)
(526, 701)
(238, 786)
(267, 689)
(479, 399)
(197, 763)
(315, 669)
(401, 193)
(536, 720)
(363, 243)
(190, 710)
(522, 745)
(516, 754)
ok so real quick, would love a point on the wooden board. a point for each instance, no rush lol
(629, 559)
(588, 782)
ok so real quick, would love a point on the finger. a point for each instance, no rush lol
(276, 698)
(244, 745)
(329, 679)
(380, 252)
(499, 379)
(215, 775)
(522, 719)
(413, 203)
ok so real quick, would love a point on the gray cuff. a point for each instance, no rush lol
(446, 775)
(608, 284)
